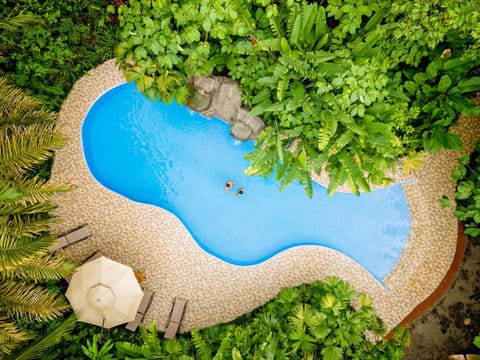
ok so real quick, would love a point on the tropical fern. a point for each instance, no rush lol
(329, 124)
(343, 140)
(203, 350)
(282, 87)
(275, 26)
(224, 347)
(355, 178)
(270, 44)
(245, 14)
(299, 66)
(292, 16)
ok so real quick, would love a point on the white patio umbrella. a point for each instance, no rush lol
(104, 292)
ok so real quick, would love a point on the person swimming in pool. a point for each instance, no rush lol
(240, 192)
(228, 185)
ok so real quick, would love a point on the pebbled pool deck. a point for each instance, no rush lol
(154, 241)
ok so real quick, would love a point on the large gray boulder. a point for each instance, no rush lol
(253, 122)
(226, 102)
(240, 131)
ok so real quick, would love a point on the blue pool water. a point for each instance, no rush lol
(171, 157)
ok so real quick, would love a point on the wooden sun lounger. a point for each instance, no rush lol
(175, 318)
(142, 310)
(78, 234)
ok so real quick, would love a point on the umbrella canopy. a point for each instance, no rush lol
(104, 292)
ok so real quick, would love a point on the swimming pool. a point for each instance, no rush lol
(171, 157)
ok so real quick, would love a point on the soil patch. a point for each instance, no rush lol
(450, 326)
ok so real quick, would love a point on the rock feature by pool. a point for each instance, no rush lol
(220, 97)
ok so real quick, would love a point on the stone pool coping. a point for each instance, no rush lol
(154, 241)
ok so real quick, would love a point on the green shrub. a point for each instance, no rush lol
(467, 195)
(75, 36)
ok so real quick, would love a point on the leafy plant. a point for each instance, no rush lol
(327, 320)
(441, 93)
(164, 42)
(467, 195)
(94, 352)
(153, 347)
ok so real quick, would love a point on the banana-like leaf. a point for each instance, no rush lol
(295, 34)
(37, 349)
(463, 105)
(375, 19)
(469, 85)
(363, 51)
(320, 24)
(262, 96)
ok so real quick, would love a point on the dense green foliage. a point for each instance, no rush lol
(467, 195)
(73, 37)
(28, 138)
(346, 87)
(324, 320)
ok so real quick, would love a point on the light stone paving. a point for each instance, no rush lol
(155, 242)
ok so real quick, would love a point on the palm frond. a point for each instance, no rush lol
(22, 148)
(29, 301)
(35, 190)
(18, 108)
(28, 209)
(18, 226)
(37, 349)
(10, 336)
(16, 252)
(47, 267)
(9, 193)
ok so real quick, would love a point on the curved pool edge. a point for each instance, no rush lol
(126, 232)
(106, 130)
